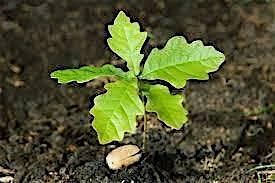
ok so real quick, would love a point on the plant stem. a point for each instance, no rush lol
(144, 127)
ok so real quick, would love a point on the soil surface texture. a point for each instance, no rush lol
(45, 132)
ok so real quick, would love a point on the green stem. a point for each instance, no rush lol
(143, 87)
(144, 127)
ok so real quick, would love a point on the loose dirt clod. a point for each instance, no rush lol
(7, 179)
(123, 156)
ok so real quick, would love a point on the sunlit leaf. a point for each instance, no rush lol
(127, 40)
(115, 111)
(168, 107)
(179, 61)
(87, 73)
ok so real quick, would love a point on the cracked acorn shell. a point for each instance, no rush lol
(123, 156)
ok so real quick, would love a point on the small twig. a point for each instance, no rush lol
(269, 155)
(260, 167)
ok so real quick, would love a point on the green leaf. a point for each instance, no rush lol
(127, 40)
(87, 73)
(168, 107)
(179, 61)
(115, 111)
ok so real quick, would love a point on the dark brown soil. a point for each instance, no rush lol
(44, 127)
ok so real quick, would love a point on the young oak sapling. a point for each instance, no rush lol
(116, 110)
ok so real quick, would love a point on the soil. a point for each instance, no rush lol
(45, 133)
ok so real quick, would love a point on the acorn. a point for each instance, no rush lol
(123, 156)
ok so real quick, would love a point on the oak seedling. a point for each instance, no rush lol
(116, 110)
